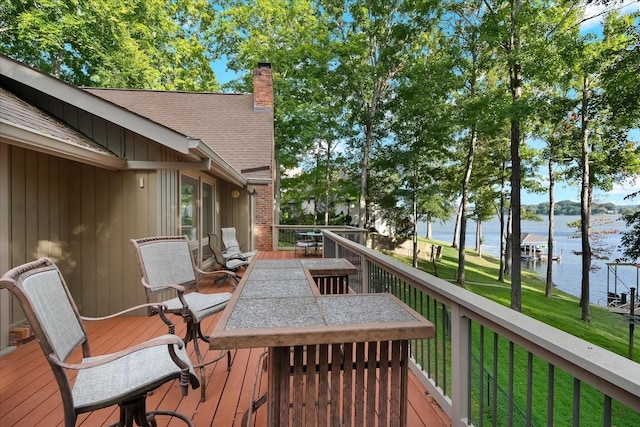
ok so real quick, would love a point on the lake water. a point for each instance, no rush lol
(567, 271)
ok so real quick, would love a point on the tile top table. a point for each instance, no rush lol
(277, 303)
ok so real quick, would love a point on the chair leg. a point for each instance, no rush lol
(256, 402)
(195, 332)
(203, 372)
(205, 338)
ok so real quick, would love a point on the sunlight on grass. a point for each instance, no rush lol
(562, 311)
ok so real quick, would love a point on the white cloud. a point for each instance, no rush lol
(596, 12)
(628, 186)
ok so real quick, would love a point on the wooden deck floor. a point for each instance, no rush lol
(29, 395)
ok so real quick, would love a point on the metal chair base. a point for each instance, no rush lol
(134, 410)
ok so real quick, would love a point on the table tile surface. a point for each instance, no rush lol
(265, 313)
(362, 309)
(276, 288)
(281, 263)
(277, 274)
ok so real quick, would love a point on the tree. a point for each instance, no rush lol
(421, 129)
(631, 237)
(504, 20)
(144, 44)
(606, 154)
(373, 40)
(476, 102)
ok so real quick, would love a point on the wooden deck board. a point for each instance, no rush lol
(29, 395)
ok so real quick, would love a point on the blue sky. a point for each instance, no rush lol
(563, 191)
(223, 75)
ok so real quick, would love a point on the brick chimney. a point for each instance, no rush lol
(262, 87)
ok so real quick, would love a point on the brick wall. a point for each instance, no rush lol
(264, 217)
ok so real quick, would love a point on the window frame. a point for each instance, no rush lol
(199, 243)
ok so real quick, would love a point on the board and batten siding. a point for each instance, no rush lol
(5, 247)
(234, 212)
(83, 217)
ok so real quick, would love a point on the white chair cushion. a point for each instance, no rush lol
(109, 383)
(201, 305)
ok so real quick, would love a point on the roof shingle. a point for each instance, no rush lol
(227, 123)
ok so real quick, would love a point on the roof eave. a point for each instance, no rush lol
(93, 104)
(224, 169)
(20, 136)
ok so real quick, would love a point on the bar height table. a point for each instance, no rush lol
(332, 359)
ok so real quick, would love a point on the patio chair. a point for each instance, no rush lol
(231, 264)
(232, 248)
(123, 378)
(166, 264)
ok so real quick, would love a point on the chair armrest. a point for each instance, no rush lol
(211, 273)
(168, 339)
(233, 277)
(181, 289)
(161, 308)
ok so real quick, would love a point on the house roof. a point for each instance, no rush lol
(35, 129)
(200, 154)
(73, 95)
(532, 238)
(227, 123)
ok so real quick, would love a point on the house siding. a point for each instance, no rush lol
(5, 246)
(83, 217)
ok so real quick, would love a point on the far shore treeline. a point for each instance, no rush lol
(568, 207)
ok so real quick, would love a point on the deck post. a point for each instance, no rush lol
(460, 367)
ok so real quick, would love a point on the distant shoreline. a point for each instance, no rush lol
(567, 272)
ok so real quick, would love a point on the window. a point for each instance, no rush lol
(207, 209)
(197, 197)
(189, 207)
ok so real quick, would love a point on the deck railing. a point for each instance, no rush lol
(284, 236)
(490, 365)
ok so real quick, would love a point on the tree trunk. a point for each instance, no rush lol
(327, 186)
(464, 203)
(516, 270)
(502, 241)
(550, 249)
(415, 228)
(585, 204)
(456, 229)
(479, 238)
(503, 230)
(507, 249)
(364, 174)
(515, 71)
(371, 108)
